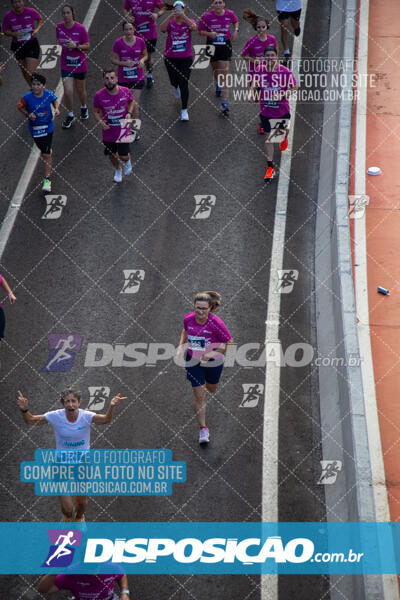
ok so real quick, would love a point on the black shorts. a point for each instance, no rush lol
(2, 322)
(266, 125)
(284, 16)
(44, 143)
(133, 85)
(29, 49)
(120, 148)
(65, 74)
(222, 51)
(151, 45)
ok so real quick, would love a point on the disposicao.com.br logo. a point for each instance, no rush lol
(202, 548)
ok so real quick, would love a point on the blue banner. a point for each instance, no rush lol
(196, 548)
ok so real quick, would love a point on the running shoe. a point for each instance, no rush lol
(81, 520)
(66, 519)
(68, 122)
(46, 187)
(177, 93)
(127, 166)
(84, 113)
(284, 144)
(224, 107)
(184, 115)
(218, 91)
(118, 176)
(297, 31)
(270, 174)
(149, 81)
(260, 129)
(204, 436)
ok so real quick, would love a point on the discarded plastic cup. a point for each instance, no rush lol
(374, 171)
(383, 290)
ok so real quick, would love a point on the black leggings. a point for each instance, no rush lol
(179, 74)
(2, 323)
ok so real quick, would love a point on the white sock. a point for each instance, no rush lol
(70, 114)
(83, 106)
(287, 52)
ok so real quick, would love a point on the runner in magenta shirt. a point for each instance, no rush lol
(254, 48)
(22, 25)
(276, 84)
(74, 40)
(86, 587)
(129, 54)
(206, 336)
(112, 104)
(143, 14)
(216, 25)
(178, 54)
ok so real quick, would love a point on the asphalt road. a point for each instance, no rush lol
(68, 274)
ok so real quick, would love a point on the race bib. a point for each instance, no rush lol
(26, 36)
(130, 72)
(39, 130)
(269, 102)
(220, 39)
(73, 61)
(196, 343)
(114, 121)
(179, 46)
(143, 27)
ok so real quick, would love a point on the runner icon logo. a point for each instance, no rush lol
(252, 393)
(129, 130)
(98, 397)
(49, 57)
(203, 207)
(133, 279)
(279, 130)
(330, 471)
(286, 280)
(54, 206)
(357, 206)
(63, 347)
(202, 55)
(62, 547)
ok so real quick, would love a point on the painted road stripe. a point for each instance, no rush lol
(31, 163)
(269, 583)
(390, 585)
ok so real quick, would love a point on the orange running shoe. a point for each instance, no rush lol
(283, 145)
(270, 174)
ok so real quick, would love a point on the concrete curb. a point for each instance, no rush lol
(343, 419)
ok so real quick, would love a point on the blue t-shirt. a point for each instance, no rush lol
(41, 107)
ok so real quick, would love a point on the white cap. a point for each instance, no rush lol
(179, 2)
(374, 171)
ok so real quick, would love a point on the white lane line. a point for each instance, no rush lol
(390, 585)
(31, 163)
(269, 583)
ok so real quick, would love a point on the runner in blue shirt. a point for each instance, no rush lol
(37, 106)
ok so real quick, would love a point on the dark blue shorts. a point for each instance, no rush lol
(65, 74)
(2, 323)
(199, 375)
